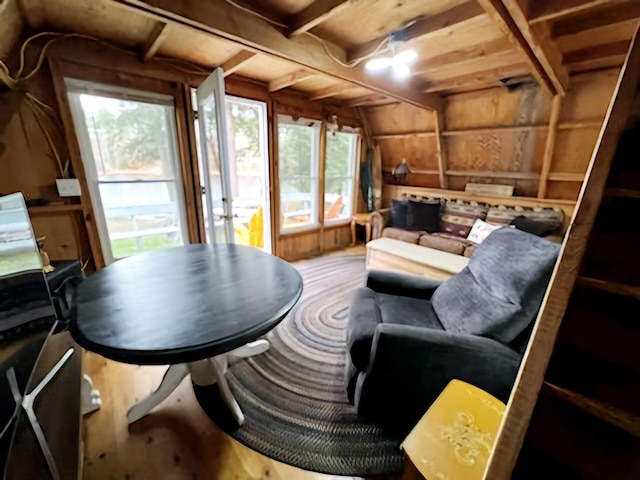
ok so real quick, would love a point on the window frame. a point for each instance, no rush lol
(316, 187)
(354, 157)
(74, 88)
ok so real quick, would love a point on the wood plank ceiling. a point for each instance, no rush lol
(462, 45)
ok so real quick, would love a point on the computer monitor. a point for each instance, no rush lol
(26, 311)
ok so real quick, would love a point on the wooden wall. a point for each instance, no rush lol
(10, 26)
(498, 136)
(28, 165)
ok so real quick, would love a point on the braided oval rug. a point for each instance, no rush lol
(293, 395)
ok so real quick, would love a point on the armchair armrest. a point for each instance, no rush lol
(401, 285)
(378, 220)
(410, 366)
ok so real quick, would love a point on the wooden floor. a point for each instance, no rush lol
(176, 441)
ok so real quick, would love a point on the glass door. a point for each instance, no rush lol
(214, 158)
(236, 189)
(128, 143)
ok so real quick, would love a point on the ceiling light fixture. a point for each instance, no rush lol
(398, 61)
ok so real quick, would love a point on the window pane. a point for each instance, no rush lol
(141, 216)
(130, 140)
(298, 152)
(339, 169)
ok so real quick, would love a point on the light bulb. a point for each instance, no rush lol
(401, 70)
(378, 64)
(405, 56)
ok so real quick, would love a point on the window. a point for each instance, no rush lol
(298, 142)
(340, 162)
(128, 143)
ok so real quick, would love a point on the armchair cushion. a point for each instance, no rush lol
(369, 309)
(410, 366)
(499, 293)
(402, 285)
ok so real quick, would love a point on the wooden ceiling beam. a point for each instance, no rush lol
(546, 10)
(600, 17)
(542, 54)
(156, 37)
(480, 62)
(316, 13)
(331, 91)
(477, 80)
(226, 21)
(289, 79)
(236, 62)
(462, 55)
(373, 99)
(599, 51)
(423, 27)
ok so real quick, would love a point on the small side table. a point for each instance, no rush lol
(360, 219)
(456, 436)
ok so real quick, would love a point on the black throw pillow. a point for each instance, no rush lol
(424, 215)
(540, 228)
(399, 213)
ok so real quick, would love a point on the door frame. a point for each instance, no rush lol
(62, 68)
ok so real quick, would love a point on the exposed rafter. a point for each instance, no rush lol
(542, 55)
(289, 80)
(425, 26)
(612, 49)
(314, 15)
(156, 37)
(331, 91)
(601, 17)
(233, 64)
(539, 39)
(481, 79)
(545, 10)
(231, 23)
(373, 99)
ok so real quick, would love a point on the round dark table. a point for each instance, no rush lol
(191, 307)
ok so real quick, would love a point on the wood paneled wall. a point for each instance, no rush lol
(498, 136)
(11, 25)
(27, 163)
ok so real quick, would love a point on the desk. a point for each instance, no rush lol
(191, 307)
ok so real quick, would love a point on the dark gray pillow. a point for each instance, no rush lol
(424, 215)
(499, 293)
(399, 210)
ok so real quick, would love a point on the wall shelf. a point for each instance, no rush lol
(627, 421)
(55, 209)
(611, 287)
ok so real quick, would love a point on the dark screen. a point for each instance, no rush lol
(26, 312)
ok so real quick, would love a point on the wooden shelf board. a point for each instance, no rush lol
(622, 193)
(627, 421)
(566, 177)
(611, 287)
(53, 209)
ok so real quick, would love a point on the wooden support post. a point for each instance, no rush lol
(322, 163)
(441, 150)
(157, 36)
(536, 359)
(554, 119)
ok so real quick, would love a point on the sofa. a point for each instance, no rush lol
(446, 224)
(408, 336)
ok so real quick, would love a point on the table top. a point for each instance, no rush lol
(183, 304)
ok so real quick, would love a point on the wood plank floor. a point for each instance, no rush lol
(177, 441)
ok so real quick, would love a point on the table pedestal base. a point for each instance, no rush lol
(203, 372)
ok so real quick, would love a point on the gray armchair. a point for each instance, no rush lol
(408, 337)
